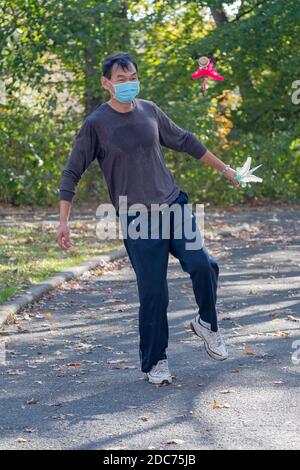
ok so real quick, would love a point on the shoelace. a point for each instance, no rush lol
(161, 366)
(217, 338)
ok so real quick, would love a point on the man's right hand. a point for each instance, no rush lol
(63, 236)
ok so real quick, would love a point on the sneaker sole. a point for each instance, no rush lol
(162, 382)
(211, 354)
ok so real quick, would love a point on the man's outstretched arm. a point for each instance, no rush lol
(211, 160)
(181, 140)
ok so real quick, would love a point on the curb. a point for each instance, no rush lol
(9, 309)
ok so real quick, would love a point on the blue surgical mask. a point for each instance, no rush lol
(126, 91)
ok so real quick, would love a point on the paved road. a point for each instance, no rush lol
(72, 377)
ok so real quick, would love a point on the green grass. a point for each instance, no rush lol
(29, 254)
(6, 293)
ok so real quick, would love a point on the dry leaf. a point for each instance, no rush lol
(21, 329)
(33, 401)
(144, 418)
(73, 364)
(220, 406)
(186, 285)
(174, 441)
(15, 372)
(292, 318)
(116, 361)
(249, 352)
(282, 334)
(21, 440)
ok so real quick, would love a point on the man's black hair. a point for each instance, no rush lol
(123, 59)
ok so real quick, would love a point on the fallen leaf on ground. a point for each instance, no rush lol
(282, 334)
(144, 418)
(33, 401)
(220, 406)
(186, 285)
(15, 372)
(292, 318)
(21, 329)
(116, 361)
(249, 352)
(174, 441)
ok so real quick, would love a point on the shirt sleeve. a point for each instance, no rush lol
(176, 138)
(85, 149)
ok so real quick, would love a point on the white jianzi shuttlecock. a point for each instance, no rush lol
(244, 175)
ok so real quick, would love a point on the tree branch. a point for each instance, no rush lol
(245, 12)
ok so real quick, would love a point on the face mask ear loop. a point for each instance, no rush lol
(113, 88)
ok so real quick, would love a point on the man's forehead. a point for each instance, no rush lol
(117, 70)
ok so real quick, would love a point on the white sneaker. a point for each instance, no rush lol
(159, 373)
(214, 344)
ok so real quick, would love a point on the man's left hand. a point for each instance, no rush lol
(230, 174)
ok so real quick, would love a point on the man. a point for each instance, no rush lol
(125, 135)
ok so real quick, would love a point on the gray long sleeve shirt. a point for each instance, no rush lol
(128, 149)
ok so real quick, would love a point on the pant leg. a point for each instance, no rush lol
(202, 268)
(149, 259)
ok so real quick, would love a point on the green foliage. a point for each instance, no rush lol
(51, 54)
(33, 148)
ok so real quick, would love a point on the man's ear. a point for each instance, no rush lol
(102, 81)
(106, 85)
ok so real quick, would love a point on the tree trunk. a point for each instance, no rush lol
(245, 84)
(92, 99)
(219, 16)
